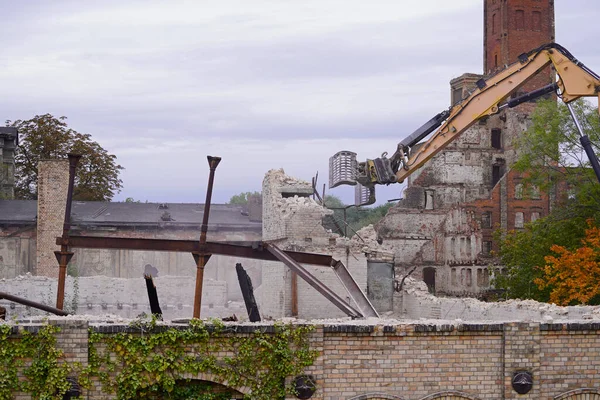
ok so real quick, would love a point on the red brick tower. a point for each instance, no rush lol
(513, 27)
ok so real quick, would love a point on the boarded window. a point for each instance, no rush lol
(486, 220)
(496, 138)
(536, 21)
(494, 23)
(519, 191)
(535, 216)
(519, 221)
(520, 19)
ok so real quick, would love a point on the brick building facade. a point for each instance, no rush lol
(454, 202)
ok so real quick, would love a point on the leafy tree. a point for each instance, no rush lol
(48, 137)
(573, 277)
(242, 198)
(550, 152)
(356, 217)
(522, 253)
(550, 157)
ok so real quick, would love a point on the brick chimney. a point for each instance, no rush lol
(514, 27)
(53, 182)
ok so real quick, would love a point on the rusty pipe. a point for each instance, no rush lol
(31, 303)
(213, 162)
(202, 256)
(65, 255)
(73, 161)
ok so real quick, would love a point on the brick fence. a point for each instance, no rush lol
(423, 362)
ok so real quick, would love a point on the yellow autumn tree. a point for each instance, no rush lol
(573, 276)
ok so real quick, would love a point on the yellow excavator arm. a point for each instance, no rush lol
(575, 80)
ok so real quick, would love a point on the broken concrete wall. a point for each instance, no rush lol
(127, 298)
(294, 221)
(415, 302)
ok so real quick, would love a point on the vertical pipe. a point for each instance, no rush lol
(64, 255)
(202, 257)
(586, 143)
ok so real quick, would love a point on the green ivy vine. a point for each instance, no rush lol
(149, 364)
(31, 363)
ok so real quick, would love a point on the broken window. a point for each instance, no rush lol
(486, 220)
(536, 21)
(497, 138)
(469, 277)
(519, 220)
(497, 171)
(519, 191)
(429, 199)
(486, 247)
(520, 19)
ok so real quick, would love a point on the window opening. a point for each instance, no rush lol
(519, 220)
(497, 138)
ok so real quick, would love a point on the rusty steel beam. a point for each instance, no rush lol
(31, 303)
(64, 255)
(254, 250)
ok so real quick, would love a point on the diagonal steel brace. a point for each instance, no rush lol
(359, 297)
(313, 281)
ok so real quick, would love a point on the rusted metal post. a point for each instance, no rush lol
(203, 256)
(64, 255)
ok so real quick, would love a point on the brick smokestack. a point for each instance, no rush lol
(53, 183)
(514, 27)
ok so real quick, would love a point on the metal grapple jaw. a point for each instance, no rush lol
(379, 171)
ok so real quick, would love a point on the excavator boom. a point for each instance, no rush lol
(575, 80)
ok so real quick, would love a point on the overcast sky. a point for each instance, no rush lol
(262, 84)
